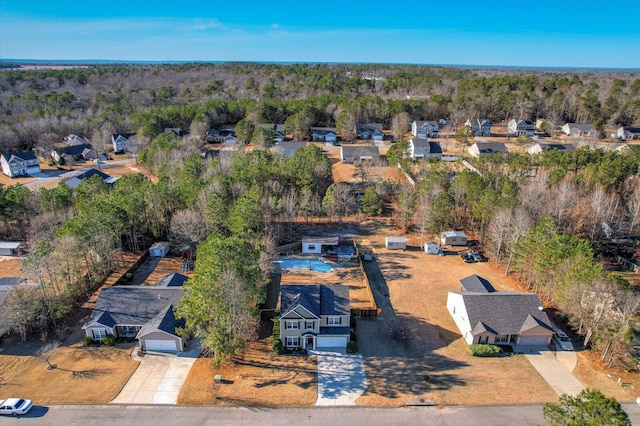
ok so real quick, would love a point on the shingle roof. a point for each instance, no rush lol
(368, 127)
(435, 148)
(24, 156)
(74, 149)
(420, 143)
(360, 150)
(172, 280)
(322, 130)
(476, 284)
(559, 146)
(164, 321)
(505, 312)
(582, 127)
(490, 147)
(334, 300)
(330, 299)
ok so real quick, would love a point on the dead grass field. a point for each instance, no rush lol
(10, 266)
(84, 375)
(257, 377)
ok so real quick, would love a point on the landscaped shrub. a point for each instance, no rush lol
(108, 340)
(353, 337)
(352, 347)
(87, 340)
(483, 350)
(278, 349)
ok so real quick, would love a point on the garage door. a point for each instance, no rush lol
(160, 345)
(533, 340)
(332, 342)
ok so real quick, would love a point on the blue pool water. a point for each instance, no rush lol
(313, 264)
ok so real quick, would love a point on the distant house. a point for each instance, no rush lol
(453, 238)
(75, 152)
(486, 316)
(315, 316)
(75, 140)
(176, 131)
(323, 134)
(423, 148)
(16, 164)
(425, 129)
(479, 126)
(480, 149)
(143, 312)
(225, 136)
(628, 132)
(540, 123)
(278, 131)
(540, 147)
(520, 127)
(353, 153)
(579, 130)
(123, 141)
(74, 181)
(287, 149)
(369, 131)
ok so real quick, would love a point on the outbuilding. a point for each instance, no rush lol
(159, 249)
(396, 243)
(319, 245)
(453, 238)
(10, 248)
(431, 247)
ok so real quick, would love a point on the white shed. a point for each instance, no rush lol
(431, 247)
(319, 245)
(453, 238)
(9, 248)
(159, 249)
(396, 243)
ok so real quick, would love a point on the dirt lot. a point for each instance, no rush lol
(10, 266)
(258, 377)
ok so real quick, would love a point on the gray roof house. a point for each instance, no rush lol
(425, 129)
(278, 130)
(479, 126)
(540, 147)
(521, 127)
(368, 131)
(74, 181)
(324, 134)
(172, 280)
(423, 148)
(353, 153)
(143, 312)
(479, 149)
(77, 152)
(484, 316)
(287, 149)
(579, 129)
(16, 164)
(315, 316)
(628, 132)
(123, 141)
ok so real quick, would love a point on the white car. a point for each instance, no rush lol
(15, 406)
(562, 341)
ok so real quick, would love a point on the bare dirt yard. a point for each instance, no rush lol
(256, 377)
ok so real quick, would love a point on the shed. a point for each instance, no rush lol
(319, 245)
(453, 238)
(431, 247)
(159, 249)
(9, 248)
(396, 243)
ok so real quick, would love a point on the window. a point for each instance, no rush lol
(483, 340)
(99, 333)
(309, 325)
(291, 341)
(312, 247)
(291, 325)
(501, 338)
(333, 320)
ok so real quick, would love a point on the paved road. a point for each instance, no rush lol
(148, 415)
(341, 378)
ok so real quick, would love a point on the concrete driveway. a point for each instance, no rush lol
(159, 377)
(556, 370)
(341, 378)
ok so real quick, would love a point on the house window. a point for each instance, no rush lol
(483, 340)
(333, 320)
(99, 333)
(291, 325)
(309, 325)
(501, 338)
(312, 246)
(291, 341)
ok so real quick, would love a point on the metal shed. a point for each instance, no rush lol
(396, 243)
(159, 249)
(453, 238)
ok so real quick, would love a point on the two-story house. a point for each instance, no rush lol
(521, 127)
(479, 126)
(314, 316)
(423, 148)
(425, 129)
(123, 141)
(16, 164)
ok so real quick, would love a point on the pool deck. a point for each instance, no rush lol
(348, 274)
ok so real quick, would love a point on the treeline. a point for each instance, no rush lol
(41, 107)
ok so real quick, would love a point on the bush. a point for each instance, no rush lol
(483, 350)
(108, 340)
(278, 349)
(352, 347)
(353, 337)
(88, 340)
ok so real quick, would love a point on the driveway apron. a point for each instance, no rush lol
(341, 378)
(557, 374)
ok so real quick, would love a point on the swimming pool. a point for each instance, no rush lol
(313, 264)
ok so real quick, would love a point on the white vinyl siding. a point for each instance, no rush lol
(291, 341)
(291, 325)
(334, 320)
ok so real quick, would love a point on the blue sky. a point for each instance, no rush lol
(560, 33)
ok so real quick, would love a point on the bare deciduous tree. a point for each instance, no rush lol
(190, 225)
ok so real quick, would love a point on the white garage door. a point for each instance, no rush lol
(332, 342)
(160, 345)
(533, 340)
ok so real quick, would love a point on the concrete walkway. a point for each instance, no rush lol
(557, 373)
(159, 377)
(341, 378)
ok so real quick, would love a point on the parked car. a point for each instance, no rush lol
(15, 406)
(477, 257)
(467, 257)
(562, 341)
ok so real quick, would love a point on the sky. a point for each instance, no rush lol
(559, 33)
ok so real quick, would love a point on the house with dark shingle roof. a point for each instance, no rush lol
(16, 164)
(579, 129)
(480, 149)
(123, 141)
(486, 316)
(353, 153)
(324, 134)
(540, 147)
(143, 312)
(425, 129)
(627, 132)
(315, 316)
(74, 181)
(479, 126)
(424, 148)
(368, 131)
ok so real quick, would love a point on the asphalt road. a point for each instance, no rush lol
(148, 415)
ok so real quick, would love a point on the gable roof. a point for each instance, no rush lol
(435, 148)
(19, 156)
(122, 136)
(133, 305)
(476, 284)
(74, 181)
(490, 147)
(432, 123)
(505, 312)
(164, 321)
(74, 149)
(420, 142)
(172, 280)
(321, 131)
(326, 299)
(546, 146)
(368, 127)
(582, 127)
(360, 150)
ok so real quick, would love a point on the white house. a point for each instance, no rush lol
(453, 238)
(423, 148)
(395, 243)
(521, 127)
(19, 164)
(579, 129)
(372, 131)
(540, 147)
(479, 126)
(323, 134)
(425, 129)
(480, 149)
(159, 249)
(628, 132)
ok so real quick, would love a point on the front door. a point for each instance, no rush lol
(310, 342)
